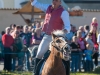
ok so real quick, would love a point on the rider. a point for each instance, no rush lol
(56, 19)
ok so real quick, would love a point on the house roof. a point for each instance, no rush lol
(27, 9)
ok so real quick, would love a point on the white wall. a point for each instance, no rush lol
(1, 4)
(8, 3)
(17, 3)
(85, 19)
(7, 18)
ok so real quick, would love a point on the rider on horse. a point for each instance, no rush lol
(56, 19)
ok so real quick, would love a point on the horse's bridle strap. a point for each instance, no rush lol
(61, 50)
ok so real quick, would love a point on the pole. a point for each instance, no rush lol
(32, 17)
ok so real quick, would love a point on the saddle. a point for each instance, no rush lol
(41, 63)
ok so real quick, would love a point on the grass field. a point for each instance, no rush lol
(84, 74)
(30, 73)
(96, 72)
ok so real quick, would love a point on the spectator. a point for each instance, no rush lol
(7, 42)
(38, 25)
(88, 58)
(17, 28)
(93, 31)
(2, 33)
(17, 47)
(81, 28)
(80, 40)
(12, 26)
(94, 22)
(1, 47)
(98, 41)
(36, 39)
(70, 34)
(74, 54)
(89, 40)
(30, 29)
(21, 31)
(82, 47)
(26, 37)
(33, 25)
(86, 29)
(73, 29)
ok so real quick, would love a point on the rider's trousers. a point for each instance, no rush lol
(44, 46)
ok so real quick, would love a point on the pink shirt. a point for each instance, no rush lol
(94, 24)
(81, 43)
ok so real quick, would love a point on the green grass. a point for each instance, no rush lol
(15, 73)
(84, 74)
(96, 72)
(30, 73)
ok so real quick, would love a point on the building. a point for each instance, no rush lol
(7, 7)
(11, 3)
(84, 4)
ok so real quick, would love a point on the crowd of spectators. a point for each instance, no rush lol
(84, 43)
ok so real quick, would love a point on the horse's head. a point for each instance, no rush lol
(61, 45)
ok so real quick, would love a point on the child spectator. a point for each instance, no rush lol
(81, 43)
(74, 54)
(88, 58)
(94, 22)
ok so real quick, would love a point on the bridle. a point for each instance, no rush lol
(59, 49)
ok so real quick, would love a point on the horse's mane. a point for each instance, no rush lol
(59, 33)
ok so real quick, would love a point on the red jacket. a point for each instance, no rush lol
(53, 20)
(7, 40)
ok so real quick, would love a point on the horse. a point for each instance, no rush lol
(59, 50)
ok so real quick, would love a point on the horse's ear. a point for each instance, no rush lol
(53, 35)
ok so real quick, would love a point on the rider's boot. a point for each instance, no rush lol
(67, 66)
(35, 65)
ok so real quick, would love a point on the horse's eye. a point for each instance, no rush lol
(58, 41)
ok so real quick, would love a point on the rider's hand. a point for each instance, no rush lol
(31, 0)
